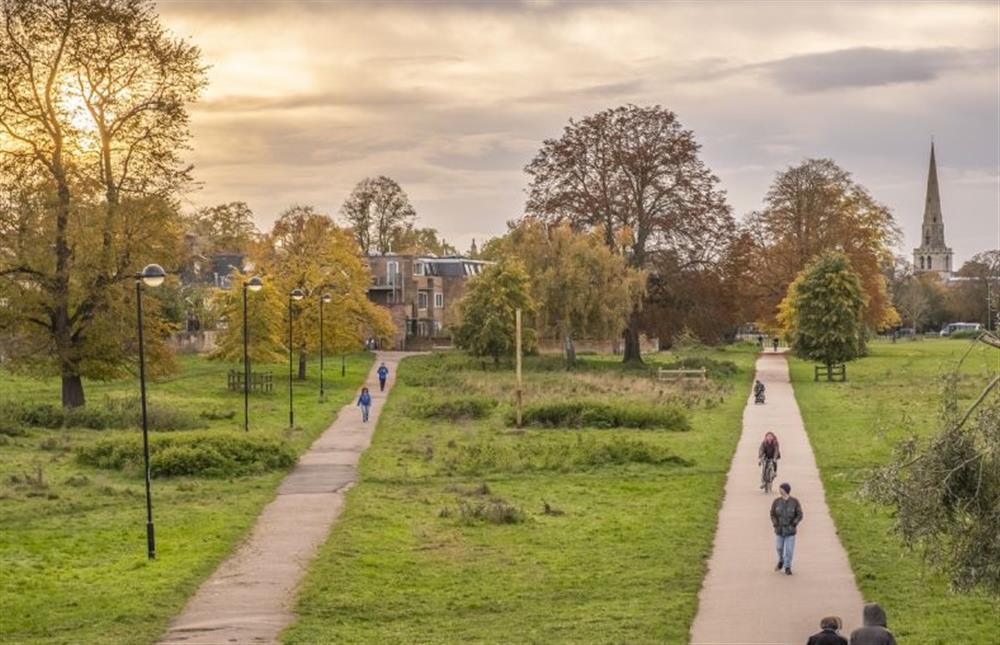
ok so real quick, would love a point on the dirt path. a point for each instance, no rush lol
(249, 597)
(742, 600)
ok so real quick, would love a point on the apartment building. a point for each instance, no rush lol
(420, 292)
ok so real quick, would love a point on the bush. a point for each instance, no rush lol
(495, 511)
(11, 427)
(965, 334)
(113, 413)
(592, 414)
(216, 454)
(585, 452)
(455, 408)
(712, 366)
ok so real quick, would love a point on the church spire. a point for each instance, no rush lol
(932, 207)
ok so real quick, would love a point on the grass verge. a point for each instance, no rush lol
(470, 531)
(892, 393)
(73, 565)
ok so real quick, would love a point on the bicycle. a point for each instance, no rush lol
(768, 468)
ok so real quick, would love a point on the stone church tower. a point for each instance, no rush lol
(932, 254)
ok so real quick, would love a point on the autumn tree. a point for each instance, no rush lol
(581, 288)
(633, 175)
(488, 325)
(810, 209)
(93, 119)
(266, 321)
(823, 314)
(409, 239)
(375, 210)
(225, 228)
(306, 249)
(976, 296)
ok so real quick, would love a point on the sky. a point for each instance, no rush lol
(453, 99)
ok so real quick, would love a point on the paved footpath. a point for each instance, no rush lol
(742, 600)
(249, 597)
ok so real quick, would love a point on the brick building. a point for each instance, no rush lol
(420, 292)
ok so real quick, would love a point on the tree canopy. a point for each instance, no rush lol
(488, 325)
(633, 175)
(225, 228)
(823, 313)
(376, 209)
(810, 209)
(93, 116)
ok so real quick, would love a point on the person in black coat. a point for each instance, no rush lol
(786, 514)
(828, 634)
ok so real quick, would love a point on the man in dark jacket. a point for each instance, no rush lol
(874, 631)
(786, 513)
(828, 635)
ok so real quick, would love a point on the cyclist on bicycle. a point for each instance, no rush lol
(769, 451)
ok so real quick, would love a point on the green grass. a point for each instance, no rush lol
(619, 557)
(73, 565)
(891, 394)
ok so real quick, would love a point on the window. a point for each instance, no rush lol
(391, 272)
(422, 300)
(438, 300)
(418, 268)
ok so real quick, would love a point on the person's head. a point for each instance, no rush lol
(364, 390)
(831, 622)
(770, 438)
(786, 489)
(873, 615)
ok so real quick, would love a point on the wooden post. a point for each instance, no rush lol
(517, 352)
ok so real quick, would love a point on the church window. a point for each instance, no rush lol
(927, 239)
(921, 262)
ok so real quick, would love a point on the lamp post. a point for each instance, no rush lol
(253, 284)
(322, 299)
(296, 294)
(152, 276)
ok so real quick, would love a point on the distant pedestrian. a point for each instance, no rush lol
(774, 343)
(875, 631)
(786, 514)
(365, 401)
(760, 341)
(828, 636)
(383, 374)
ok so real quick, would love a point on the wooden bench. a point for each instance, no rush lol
(836, 372)
(672, 375)
(259, 381)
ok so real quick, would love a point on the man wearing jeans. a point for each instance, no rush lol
(786, 513)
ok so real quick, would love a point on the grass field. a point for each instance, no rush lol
(73, 565)
(464, 529)
(890, 394)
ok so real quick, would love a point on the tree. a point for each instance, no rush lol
(581, 288)
(306, 249)
(266, 320)
(810, 209)
(375, 209)
(419, 241)
(226, 228)
(977, 294)
(488, 326)
(93, 111)
(823, 313)
(633, 175)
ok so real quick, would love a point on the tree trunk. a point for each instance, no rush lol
(632, 352)
(72, 391)
(302, 366)
(569, 349)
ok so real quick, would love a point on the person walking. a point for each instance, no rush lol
(786, 515)
(828, 633)
(365, 401)
(774, 343)
(383, 374)
(875, 631)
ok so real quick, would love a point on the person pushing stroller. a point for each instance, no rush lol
(758, 392)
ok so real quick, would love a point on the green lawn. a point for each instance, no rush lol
(892, 393)
(73, 565)
(620, 558)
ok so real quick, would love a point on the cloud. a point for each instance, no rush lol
(869, 67)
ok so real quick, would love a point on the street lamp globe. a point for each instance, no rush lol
(153, 275)
(297, 294)
(326, 297)
(255, 283)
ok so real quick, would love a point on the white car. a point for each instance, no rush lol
(949, 329)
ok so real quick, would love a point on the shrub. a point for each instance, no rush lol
(494, 511)
(11, 427)
(592, 414)
(585, 452)
(218, 454)
(965, 334)
(455, 408)
(113, 413)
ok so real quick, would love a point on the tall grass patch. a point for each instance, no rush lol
(598, 414)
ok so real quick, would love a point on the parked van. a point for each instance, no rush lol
(951, 328)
